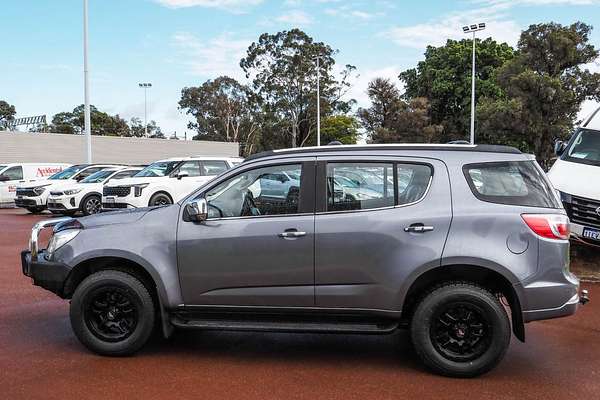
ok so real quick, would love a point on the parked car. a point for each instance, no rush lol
(33, 196)
(86, 195)
(573, 175)
(439, 255)
(164, 182)
(14, 174)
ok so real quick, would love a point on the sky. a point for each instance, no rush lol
(180, 43)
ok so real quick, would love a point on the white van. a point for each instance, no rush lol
(576, 176)
(164, 182)
(18, 173)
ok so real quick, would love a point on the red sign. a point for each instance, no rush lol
(47, 171)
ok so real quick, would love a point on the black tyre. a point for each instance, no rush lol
(91, 205)
(112, 313)
(160, 199)
(460, 330)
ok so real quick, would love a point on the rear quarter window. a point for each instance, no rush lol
(519, 183)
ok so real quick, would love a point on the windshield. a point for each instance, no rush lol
(67, 173)
(584, 148)
(98, 177)
(1, 168)
(160, 168)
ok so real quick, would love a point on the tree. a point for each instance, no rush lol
(390, 119)
(7, 114)
(223, 110)
(101, 123)
(282, 69)
(343, 128)
(136, 129)
(444, 77)
(545, 86)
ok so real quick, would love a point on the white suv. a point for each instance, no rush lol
(34, 195)
(85, 196)
(164, 182)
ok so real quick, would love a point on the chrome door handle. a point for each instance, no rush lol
(418, 228)
(292, 234)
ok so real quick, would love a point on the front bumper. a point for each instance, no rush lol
(61, 203)
(47, 274)
(27, 202)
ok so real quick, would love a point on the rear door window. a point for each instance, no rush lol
(359, 186)
(519, 183)
(216, 167)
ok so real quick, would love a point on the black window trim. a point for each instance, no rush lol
(511, 201)
(321, 177)
(306, 206)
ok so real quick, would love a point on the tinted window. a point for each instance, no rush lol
(125, 174)
(253, 193)
(214, 167)
(67, 173)
(97, 176)
(14, 173)
(191, 167)
(413, 181)
(88, 172)
(160, 168)
(517, 183)
(359, 186)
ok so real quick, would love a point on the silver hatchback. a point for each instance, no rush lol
(451, 242)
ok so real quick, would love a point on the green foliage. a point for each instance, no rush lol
(282, 69)
(545, 87)
(343, 128)
(444, 77)
(101, 123)
(391, 119)
(136, 129)
(7, 114)
(223, 110)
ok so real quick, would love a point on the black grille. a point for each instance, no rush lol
(584, 211)
(56, 206)
(26, 192)
(119, 191)
(114, 205)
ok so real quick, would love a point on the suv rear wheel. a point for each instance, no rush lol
(112, 313)
(460, 330)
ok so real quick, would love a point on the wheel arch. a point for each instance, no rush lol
(88, 195)
(147, 275)
(160, 191)
(498, 282)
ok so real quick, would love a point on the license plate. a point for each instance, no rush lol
(110, 200)
(20, 197)
(590, 233)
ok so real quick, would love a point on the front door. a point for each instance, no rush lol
(376, 224)
(255, 249)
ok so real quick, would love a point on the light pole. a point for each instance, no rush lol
(317, 58)
(145, 86)
(472, 29)
(86, 85)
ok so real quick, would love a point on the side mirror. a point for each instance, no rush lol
(182, 174)
(4, 178)
(559, 147)
(197, 210)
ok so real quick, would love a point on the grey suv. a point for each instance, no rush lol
(447, 241)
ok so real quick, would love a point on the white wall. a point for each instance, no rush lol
(52, 147)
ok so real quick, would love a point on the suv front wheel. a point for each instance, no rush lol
(112, 313)
(460, 330)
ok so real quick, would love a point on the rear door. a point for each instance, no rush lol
(371, 234)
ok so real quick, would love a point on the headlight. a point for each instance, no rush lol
(137, 189)
(72, 191)
(39, 189)
(59, 239)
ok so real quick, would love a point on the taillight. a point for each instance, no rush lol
(549, 226)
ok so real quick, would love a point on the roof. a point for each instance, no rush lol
(483, 148)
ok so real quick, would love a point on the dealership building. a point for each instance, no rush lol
(23, 147)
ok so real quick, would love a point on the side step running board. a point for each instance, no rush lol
(243, 324)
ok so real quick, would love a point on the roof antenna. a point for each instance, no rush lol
(334, 143)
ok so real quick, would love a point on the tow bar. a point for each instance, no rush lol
(584, 297)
